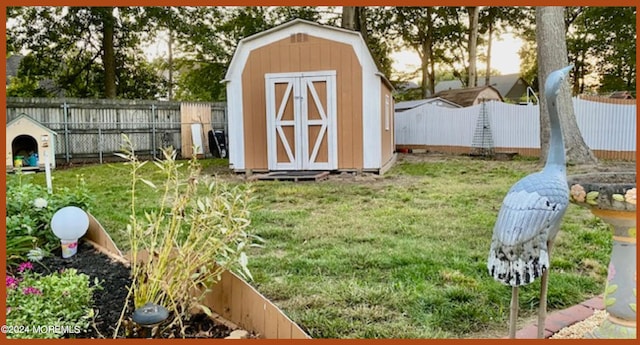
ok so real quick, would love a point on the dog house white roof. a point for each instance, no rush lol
(26, 135)
(305, 96)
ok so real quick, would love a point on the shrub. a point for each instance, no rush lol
(199, 228)
(48, 306)
(29, 211)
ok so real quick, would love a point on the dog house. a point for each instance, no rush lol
(304, 96)
(28, 143)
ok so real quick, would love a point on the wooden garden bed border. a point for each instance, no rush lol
(232, 298)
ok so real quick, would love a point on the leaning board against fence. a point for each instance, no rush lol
(91, 129)
(608, 129)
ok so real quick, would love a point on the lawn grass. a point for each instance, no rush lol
(398, 256)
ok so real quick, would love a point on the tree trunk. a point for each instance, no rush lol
(108, 56)
(473, 45)
(170, 63)
(354, 18)
(487, 77)
(361, 18)
(552, 55)
(428, 64)
(349, 17)
(425, 86)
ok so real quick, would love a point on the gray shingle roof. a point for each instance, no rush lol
(502, 83)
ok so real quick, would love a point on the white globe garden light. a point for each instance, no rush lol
(69, 224)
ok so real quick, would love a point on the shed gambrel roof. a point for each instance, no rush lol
(406, 105)
(339, 34)
(465, 97)
(502, 83)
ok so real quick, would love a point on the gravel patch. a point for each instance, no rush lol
(579, 329)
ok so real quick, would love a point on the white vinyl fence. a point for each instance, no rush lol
(608, 129)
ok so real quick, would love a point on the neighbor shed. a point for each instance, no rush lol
(28, 143)
(470, 96)
(305, 96)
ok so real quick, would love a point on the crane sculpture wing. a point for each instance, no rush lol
(529, 217)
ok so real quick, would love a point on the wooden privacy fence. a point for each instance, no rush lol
(91, 129)
(608, 129)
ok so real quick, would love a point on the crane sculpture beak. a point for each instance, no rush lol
(565, 71)
(554, 80)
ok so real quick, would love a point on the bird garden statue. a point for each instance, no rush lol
(530, 217)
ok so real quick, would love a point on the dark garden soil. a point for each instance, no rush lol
(110, 298)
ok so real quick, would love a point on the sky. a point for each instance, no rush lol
(504, 56)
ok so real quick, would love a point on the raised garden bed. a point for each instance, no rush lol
(235, 304)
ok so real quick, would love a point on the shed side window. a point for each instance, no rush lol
(387, 112)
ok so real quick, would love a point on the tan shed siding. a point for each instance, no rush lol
(254, 119)
(312, 54)
(388, 143)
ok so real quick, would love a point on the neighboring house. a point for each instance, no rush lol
(441, 102)
(621, 95)
(510, 86)
(470, 96)
(13, 64)
(406, 86)
(48, 85)
(305, 96)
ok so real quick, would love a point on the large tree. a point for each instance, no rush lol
(208, 40)
(372, 23)
(552, 55)
(82, 51)
(601, 44)
(494, 21)
(602, 41)
(417, 28)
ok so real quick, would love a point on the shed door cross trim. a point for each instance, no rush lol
(301, 118)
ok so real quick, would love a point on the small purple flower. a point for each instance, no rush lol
(12, 282)
(25, 266)
(31, 291)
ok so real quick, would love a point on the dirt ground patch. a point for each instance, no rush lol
(416, 158)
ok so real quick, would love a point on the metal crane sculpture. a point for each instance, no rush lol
(530, 217)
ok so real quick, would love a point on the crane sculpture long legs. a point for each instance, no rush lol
(530, 217)
(542, 308)
(513, 312)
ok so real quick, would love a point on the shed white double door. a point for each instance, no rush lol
(301, 120)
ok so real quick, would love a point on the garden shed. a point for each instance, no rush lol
(28, 143)
(304, 96)
(471, 95)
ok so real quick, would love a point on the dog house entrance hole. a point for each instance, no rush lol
(24, 147)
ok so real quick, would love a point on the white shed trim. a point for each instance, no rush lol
(235, 125)
(371, 86)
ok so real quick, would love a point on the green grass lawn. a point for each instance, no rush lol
(398, 256)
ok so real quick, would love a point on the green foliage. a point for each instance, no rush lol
(190, 82)
(64, 49)
(49, 306)
(179, 249)
(29, 211)
(26, 86)
(18, 246)
(602, 40)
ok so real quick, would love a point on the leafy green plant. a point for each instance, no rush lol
(48, 306)
(18, 247)
(29, 211)
(181, 247)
